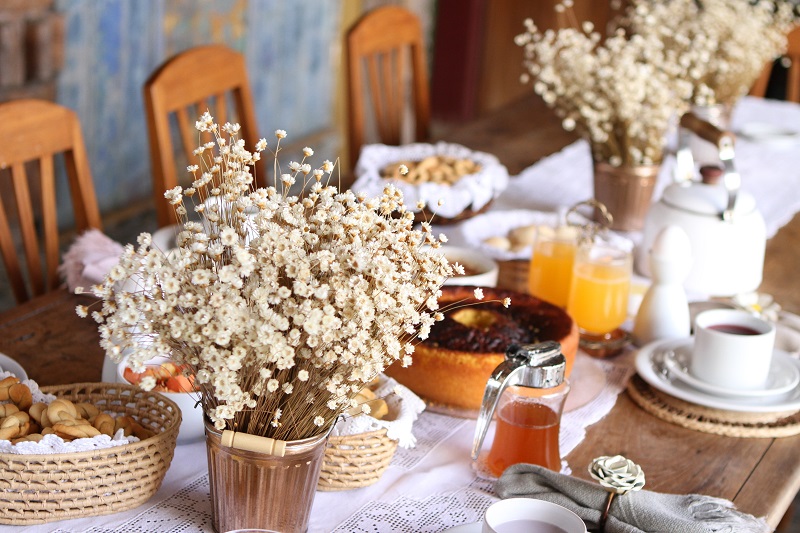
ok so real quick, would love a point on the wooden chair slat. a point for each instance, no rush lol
(27, 227)
(387, 32)
(35, 131)
(188, 78)
(49, 222)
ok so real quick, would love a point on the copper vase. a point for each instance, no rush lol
(627, 192)
(258, 490)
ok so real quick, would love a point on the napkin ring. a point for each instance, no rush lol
(617, 475)
(601, 524)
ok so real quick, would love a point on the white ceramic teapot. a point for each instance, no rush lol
(726, 230)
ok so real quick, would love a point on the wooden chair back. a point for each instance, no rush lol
(32, 134)
(204, 78)
(792, 75)
(379, 48)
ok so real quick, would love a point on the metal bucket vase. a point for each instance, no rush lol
(254, 489)
(627, 193)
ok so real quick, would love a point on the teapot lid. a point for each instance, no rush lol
(704, 199)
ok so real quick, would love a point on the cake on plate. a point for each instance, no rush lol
(452, 366)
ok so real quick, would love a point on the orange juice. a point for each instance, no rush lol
(527, 432)
(598, 299)
(550, 272)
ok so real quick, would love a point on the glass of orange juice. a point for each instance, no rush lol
(601, 281)
(550, 274)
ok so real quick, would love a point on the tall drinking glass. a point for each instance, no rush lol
(601, 280)
(550, 274)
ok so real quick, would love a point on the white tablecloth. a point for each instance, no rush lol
(430, 487)
(770, 170)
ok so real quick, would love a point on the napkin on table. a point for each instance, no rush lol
(635, 512)
(89, 259)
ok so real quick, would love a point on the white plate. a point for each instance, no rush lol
(650, 356)
(783, 376)
(9, 365)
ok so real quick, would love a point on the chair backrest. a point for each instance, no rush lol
(793, 74)
(185, 86)
(34, 132)
(378, 49)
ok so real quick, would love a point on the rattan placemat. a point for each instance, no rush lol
(708, 420)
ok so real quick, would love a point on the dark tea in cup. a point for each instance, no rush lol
(734, 329)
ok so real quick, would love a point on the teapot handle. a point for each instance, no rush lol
(724, 141)
(707, 131)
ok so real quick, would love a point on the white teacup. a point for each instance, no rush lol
(732, 349)
(527, 515)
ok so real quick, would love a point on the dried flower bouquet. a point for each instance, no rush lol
(619, 93)
(722, 45)
(282, 306)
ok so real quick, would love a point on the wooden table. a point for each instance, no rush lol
(761, 476)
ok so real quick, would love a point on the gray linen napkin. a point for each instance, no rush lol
(635, 512)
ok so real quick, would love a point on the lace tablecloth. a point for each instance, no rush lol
(428, 488)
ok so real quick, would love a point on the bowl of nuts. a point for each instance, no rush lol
(445, 182)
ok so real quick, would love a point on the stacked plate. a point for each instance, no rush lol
(664, 365)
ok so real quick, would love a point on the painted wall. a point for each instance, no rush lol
(292, 50)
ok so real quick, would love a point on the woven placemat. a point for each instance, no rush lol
(709, 420)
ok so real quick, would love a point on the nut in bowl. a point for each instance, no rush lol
(479, 269)
(179, 388)
(451, 181)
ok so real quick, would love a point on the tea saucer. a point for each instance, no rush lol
(783, 374)
(651, 367)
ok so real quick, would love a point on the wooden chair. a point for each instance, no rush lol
(34, 132)
(378, 49)
(188, 84)
(793, 74)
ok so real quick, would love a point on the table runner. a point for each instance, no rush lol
(427, 488)
(770, 170)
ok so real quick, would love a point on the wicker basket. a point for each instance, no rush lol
(35, 489)
(354, 461)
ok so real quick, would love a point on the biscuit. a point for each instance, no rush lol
(7, 409)
(104, 423)
(5, 385)
(86, 410)
(61, 410)
(20, 395)
(75, 429)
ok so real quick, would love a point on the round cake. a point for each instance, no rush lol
(452, 366)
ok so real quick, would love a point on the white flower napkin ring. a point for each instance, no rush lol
(617, 475)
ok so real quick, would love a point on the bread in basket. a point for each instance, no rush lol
(35, 489)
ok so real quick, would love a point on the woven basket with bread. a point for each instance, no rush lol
(364, 442)
(39, 488)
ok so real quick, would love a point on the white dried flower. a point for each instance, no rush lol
(282, 306)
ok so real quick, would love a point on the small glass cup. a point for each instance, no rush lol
(601, 281)
(550, 274)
